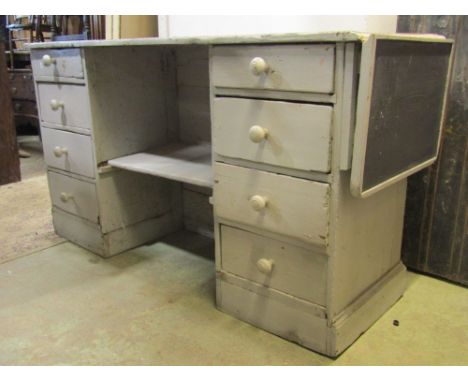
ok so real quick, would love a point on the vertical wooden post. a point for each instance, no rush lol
(53, 28)
(86, 27)
(9, 160)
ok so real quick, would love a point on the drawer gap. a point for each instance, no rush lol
(276, 100)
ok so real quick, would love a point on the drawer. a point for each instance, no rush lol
(22, 86)
(68, 151)
(20, 75)
(277, 203)
(64, 105)
(301, 68)
(285, 134)
(288, 268)
(25, 108)
(57, 63)
(74, 196)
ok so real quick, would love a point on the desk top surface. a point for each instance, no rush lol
(240, 39)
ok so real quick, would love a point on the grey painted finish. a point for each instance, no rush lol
(73, 110)
(192, 65)
(364, 276)
(64, 63)
(274, 315)
(302, 322)
(298, 135)
(347, 114)
(367, 239)
(126, 198)
(363, 312)
(294, 207)
(341, 267)
(74, 196)
(284, 38)
(115, 200)
(185, 163)
(127, 101)
(198, 212)
(194, 114)
(79, 157)
(193, 94)
(88, 235)
(296, 271)
(308, 68)
(310, 175)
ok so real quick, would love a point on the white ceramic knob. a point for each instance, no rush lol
(257, 133)
(265, 266)
(65, 197)
(55, 105)
(258, 66)
(59, 151)
(47, 60)
(258, 202)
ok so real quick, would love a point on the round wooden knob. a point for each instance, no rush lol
(257, 133)
(258, 202)
(65, 197)
(59, 151)
(55, 105)
(265, 266)
(47, 60)
(258, 66)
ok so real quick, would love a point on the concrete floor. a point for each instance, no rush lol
(25, 213)
(154, 305)
(34, 165)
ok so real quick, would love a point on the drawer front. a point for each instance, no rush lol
(25, 108)
(57, 63)
(285, 267)
(64, 105)
(277, 203)
(285, 134)
(20, 76)
(74, 196)
(22, 86)
(68, 151)
(302, 68)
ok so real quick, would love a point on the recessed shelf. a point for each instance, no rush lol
(187, 163)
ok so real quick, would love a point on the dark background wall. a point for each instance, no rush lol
(436, 217)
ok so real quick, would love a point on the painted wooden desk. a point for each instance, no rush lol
(292, 151)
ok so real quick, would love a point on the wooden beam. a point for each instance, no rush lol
(9, 160)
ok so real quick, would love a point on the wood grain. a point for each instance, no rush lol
(9, 160)
(436, 216)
